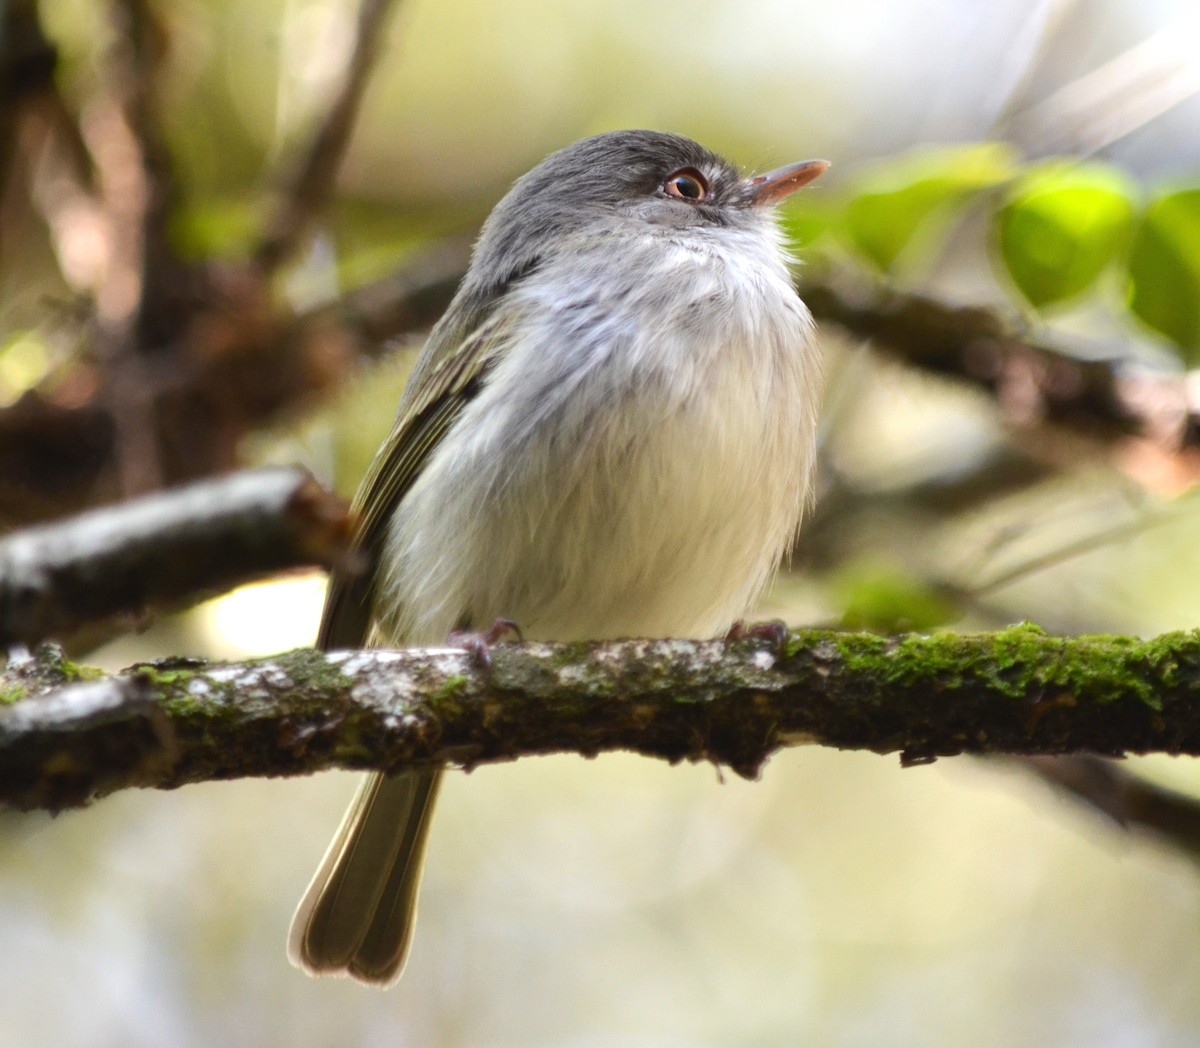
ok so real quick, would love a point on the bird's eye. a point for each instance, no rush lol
(687, 185)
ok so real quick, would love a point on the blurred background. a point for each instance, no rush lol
(151, 240)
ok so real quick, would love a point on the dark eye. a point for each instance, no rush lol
(688, 185)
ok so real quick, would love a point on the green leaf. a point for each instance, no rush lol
(1061, 229)
(807, 219)
(1164, 270)
(219, 228)
(905, 205)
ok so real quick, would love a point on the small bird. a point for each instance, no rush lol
(610, 433)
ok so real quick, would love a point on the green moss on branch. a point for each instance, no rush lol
(1019, 691)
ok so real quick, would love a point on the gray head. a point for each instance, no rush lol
(622, 180)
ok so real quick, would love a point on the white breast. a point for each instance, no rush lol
(636, 464)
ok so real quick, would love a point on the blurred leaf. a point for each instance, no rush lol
(808, 219)
(1062, 227)
(24, 362)
(907, 197)
(884, 598)
(221, 228)
(1164, 270)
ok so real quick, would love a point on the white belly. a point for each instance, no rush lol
(631, 469)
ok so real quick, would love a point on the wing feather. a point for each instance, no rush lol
(449, 374)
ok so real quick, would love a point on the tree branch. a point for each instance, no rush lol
(174, 722)
(136, 164)
(1035, 381)
(164, 550)
(1128, 800)
(409, 299)
(142, 296)
(27, 63)
(308, 187)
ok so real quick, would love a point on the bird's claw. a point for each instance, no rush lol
(479, 645)
(774, 631)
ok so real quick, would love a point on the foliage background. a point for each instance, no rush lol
(840, 900)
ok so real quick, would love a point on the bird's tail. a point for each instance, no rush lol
(358, 914)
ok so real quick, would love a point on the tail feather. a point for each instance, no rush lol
(358, 914)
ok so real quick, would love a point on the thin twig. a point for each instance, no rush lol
(1037, 381)
(1131, 802)
(408, 300)
(1115, 99)
(307, 188)
(38, 127)
(136, 184)
(27, 61)
(136, 74)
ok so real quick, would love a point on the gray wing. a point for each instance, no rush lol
(450, 372)
(358, 913)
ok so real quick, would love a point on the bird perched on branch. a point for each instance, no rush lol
(610, 433)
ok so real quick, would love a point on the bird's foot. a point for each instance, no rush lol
(774, 631)
(479, 645)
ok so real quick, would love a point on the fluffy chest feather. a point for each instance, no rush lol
(636, 463)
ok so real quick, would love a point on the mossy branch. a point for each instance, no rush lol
(68, 735)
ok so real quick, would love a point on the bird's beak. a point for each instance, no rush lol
(778, 185)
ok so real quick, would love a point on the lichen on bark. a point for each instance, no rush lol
(67, 734)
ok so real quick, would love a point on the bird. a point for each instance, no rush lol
(610, 433)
